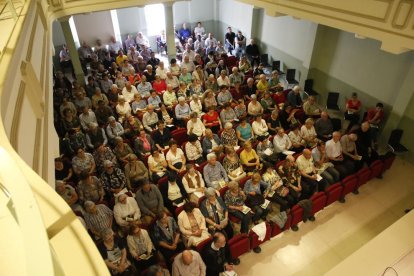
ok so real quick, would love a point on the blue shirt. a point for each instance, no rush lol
(245, 132)
(249, 187)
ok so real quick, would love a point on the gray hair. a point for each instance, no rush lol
(88, 204)
(111, 119)
(210, 192)
(232, 184)
(211, 156)
(228, 125)
(106, 232)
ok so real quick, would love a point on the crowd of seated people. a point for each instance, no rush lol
(122, 158)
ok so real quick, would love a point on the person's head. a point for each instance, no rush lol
(256, 177)
(85, 109)
(190, 168)
(173, 145)
(307, 153)
(228, 126)
(186, 60)
(353, 137)
(290, 160)
(212, 159)
(336, 136)
(296, 89)
(146, 186)
(137, 97)
(118, 141)
(187, 257)
(60, 186)
(188, 207)
(379, 106)
(181, 101)
(309, 123)
(233, 186)
(294, 127)
(324, 115)
(229, 150)
(142, 133)
(280, 131)
(193, 116)
(311, 99)
(107, 235)
(155, 153)
(247, 146)
(80, 152)
(134, 230)
(173, 61)
(109, 166)
(254, 98)
(354, 96)
(122, 199)
(150, 108)
(192, 138)
(161, 125)
(268, 167)
(132, 158)
(219, 240)
(172, 177)
(258, 118)
(252, 41)
(209, 133)
(275, 114)
(162, 217)
(121, 100)
(210, 193)
(90, 207)
(320, 145)
(143, 79)
(365, 126)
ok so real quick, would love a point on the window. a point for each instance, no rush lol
(155, 19)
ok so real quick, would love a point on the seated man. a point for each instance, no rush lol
(212, 143)
(188, 262)
(150, 119)
(69, 195)
(114, 129)
(260, 127)
(126, 211)
(310, 107)
(308, 171)
(324, 127)
(150, 201)
(184, 33)
(162, 136)
(169, 97)
(349, 149)
(97, 217)
(334, 153)
(293, 97)
(366, 144)
(281, 141)
(215, 175)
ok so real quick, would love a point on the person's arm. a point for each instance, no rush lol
(69, 176)
(142, 206)
(73, 198)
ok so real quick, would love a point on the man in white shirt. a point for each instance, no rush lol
(308, 171)
(172, 80)
(333, 150)
(211, 41)
(187, 63)
(189, 53)
(150, 119)
(128, 92)
(281, 141)
(114, 46)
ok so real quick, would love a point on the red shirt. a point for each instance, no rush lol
(159, 87)
(372, 112)
(354, 105)
(211, 119)
(279, 98)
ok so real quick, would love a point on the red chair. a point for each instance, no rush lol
(162, 181)
(200, 247)
(377, 168)
(222, 191)
(388, 162)
(319, 202)
(254, 239)
(364, 175)
(243, 181)
(200, 200)
(297, 216)
(178, 210)
(276, 230)
(200, 167)
(180, 135)
(350, 184)
(334, 193)
(239, 245)
(233, 218)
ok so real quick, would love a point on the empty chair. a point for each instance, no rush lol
(180, 135)
(276, 66)
(394, 141)
(336, 123)
(297, 216)
(332, 101)
(377, 168)
(264, 59)
(350, 184)
(239, 245)
(201, 245)
(276, 230)
(388, 161)
(334, 193)
(309, 88)
(364, 175)
(319, 202)
(290, 76)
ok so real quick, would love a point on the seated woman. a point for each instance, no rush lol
(244, 131)
(192, 225)
(232, 165)
(113, 251)
(139, 105)
(234, 199)
(244, 65)
(166, 236)
(259, 126)
(279, 97)
(141, 248)
(308, 133)
(196, 105)
(195, 125)
(296, 138)
(255, 197)
(182, 90)
(229, 136)
(267, 103)
(166, 116)
(211, 119)
(175, 158)
(240, 109)
(254, 107)
(287, 116)
(209, 99)
(280, 192)
(193, 183)
(195, 88)
(132, 127)
(266, 151)
(135, 172)
(273, 123)
(143, 144)
(159, 85)
(216, 214)
(353, 108)
(193, 150)
(122, 151)
(83, 162)
(249, 158)
(126, 212)
(123, 109)
(157, 165)
(173, 192)
(227, 114)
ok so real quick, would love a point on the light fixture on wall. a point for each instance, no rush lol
(359, 36)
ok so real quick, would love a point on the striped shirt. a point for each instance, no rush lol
(99, 221)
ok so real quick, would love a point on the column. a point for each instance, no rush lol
(169, 29)
(70, 43)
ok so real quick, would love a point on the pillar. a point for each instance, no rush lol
(70, 43)
(169, 30)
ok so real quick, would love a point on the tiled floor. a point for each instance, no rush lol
(339, 229)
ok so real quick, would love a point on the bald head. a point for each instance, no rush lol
(187, 257)
(365, 126)
(307, 153)
(219, 240)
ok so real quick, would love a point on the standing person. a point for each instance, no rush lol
(229, 40)
(65, 61)
(240, 42)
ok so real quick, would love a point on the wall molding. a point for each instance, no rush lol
(36, 149)
(17, 116)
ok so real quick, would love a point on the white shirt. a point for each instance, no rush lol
(130, 208)
(305, 165)
(177, 158)
(198, 127)
(190, 55)
(333, 149)
(307, 133)
(174, 82)
(123, 110)
(282, 143)
(129, 95)
(260, 128)
(196, 106)
(221, 81)
(173, 191)
(295, 138)
(161, 72)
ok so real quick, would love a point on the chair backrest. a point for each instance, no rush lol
(332, 100)
(395, 136)
(264, 58)
(290, 74)
(308, 85)
(276, 65)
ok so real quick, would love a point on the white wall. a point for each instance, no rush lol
(131, 20)
(58, 37)
(294, 37)
(93, 26)
(360, 63)
(235, 14)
